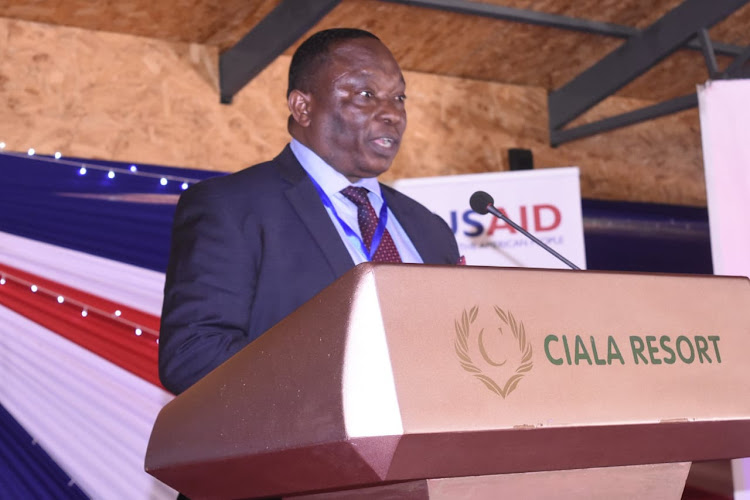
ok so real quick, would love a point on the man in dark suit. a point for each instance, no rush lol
(251, 247)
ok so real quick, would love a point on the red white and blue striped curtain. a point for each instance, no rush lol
(83, 249)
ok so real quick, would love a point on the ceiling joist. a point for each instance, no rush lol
(633, 58)
(275, 33)
(675, 105)
(737, 68)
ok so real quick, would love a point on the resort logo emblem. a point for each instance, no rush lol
(497, 361)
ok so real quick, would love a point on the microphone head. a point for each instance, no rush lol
(479, 202)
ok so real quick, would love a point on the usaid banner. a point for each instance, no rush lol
(545, 202)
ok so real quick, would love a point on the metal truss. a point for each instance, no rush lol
(683, 27)
(637, 55)
(275, 33)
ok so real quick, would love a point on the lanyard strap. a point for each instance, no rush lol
(379, 230)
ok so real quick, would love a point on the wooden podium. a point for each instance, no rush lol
(412, 381)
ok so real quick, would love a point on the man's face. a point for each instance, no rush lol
(355, 112)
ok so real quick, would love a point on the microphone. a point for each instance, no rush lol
(483, 203)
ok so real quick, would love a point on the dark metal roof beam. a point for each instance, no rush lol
(634, 57)
(708, 53)
(549, 20)
(524, 16)
(275, 33)
(676, 105)
(735, 69)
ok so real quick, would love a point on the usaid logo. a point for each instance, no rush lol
(534, 218)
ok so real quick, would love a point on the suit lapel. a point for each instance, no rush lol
(413, 225)
(304, 198)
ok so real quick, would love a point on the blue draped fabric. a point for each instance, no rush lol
(126, 218)
(48, 200)
(646, 237)
(26, 471)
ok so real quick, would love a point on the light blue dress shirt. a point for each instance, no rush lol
(332, 182)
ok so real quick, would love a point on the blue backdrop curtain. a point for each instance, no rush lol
(126, 217)
(49, 200)
(646, 237)
(26, 471)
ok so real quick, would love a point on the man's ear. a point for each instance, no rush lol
(300, 106)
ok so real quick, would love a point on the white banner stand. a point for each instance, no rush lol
(725, 123)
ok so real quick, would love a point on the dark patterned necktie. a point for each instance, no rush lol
(368, 222)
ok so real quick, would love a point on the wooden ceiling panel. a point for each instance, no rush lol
(423, 40)
(241, 16)
(636, 13)
(539, 56)
(194, 21)
(433, 41)
(479, 48)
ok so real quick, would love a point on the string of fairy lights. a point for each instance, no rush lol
(83, 168)
(85, 309)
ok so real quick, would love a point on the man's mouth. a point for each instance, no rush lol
(386, 142)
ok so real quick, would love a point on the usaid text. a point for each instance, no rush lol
(535, 218)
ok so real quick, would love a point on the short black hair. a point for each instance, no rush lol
(313, 52)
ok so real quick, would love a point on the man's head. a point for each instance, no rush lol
(346, 97)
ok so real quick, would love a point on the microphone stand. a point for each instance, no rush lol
(497, 213)
(482, 203)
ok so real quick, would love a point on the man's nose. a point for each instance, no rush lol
(392, 111)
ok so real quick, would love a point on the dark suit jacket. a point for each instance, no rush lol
(251, 247)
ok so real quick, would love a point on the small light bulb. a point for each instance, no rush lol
(163, 181)
(157, 340)
(84, 313)
(111, 174)
(31, 152)
(34, 288)
(60, 299)
(2, 145)
(184, 186)
(82, 171)
(2, 281)
(133, 168)
(138, 332)
(118, 313)
(58, 155)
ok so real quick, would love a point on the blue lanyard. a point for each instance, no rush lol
(379, 230)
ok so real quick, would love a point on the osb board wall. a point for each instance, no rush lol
(125, 98)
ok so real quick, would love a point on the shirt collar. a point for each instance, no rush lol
(328, 178)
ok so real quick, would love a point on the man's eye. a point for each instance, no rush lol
(366, 93)
(401, 98)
